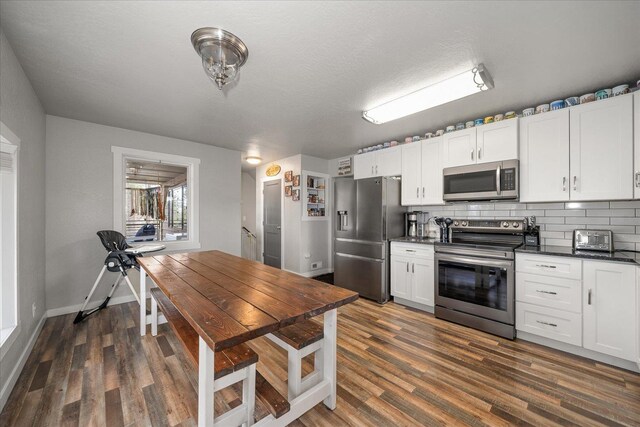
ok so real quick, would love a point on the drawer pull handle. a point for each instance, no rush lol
(545, 266)
(546, 292)
(409, 250)
(413, 268)
(589, 297)
(407, 267)
(547, 323)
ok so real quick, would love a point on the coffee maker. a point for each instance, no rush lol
(415, 224)
(411, 224)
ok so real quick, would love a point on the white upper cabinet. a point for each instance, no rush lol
(364, 165)
(497, 141)
(601, 149)
(422, 173)
(636, 143)
(487, 143)
(544, 157)
(411, 174)
(431, 191)
(459, 148)
(610, 309)
(387, 162)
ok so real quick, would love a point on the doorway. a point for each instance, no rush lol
(272, 222)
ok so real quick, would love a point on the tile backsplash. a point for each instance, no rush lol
(558, 220)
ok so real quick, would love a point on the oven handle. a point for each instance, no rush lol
(474, 260)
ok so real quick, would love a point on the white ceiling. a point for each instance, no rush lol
(313, 66)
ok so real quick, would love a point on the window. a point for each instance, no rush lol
(8, 237)
(156, 198)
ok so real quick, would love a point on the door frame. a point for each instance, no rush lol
(260, 221)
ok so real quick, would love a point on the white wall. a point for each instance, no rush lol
(79, 200)
(22, 113)
(304, 242)
(248, 202)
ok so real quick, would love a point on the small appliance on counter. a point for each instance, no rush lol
(531, 232)
(593, 240)
(416, 224)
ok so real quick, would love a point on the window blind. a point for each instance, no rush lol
(6, 162)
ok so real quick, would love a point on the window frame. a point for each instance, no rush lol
(8, 335)
(120, 157)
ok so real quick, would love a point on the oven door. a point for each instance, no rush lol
(478, 286)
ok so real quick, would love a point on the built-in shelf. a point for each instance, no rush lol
(314, 196)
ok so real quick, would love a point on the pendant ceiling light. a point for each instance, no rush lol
(222, 54)
(464, 84)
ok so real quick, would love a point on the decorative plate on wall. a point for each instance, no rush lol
(273, 170)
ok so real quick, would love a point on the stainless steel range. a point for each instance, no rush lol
(475, 274)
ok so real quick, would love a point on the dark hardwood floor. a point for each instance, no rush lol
(396, 366)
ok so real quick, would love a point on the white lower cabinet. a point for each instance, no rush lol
(609, 301)
(412, 272)
(590, 304)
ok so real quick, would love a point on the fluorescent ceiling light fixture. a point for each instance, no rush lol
(253, 160)
(464, 84)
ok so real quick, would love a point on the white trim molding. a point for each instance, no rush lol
(193, 179)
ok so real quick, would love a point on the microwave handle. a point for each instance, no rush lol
(498, 183)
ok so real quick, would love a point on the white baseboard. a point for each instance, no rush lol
(417, 305)
(579, 351)
(7, 387)
(319, 272)
(52, 312)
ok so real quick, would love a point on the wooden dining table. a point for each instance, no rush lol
(230, 300)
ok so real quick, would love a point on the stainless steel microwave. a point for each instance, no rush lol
(485, 181)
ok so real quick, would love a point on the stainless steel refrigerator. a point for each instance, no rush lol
(367, 212)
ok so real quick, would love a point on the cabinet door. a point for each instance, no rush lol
(389, 162)
(401, 277)
(544, 157)
(432, 171)
(610, 304)
(422, 286)
(411, 174)
(459, 148)
(364, 165)
(601, 147)
(636, 143)
(497, 141)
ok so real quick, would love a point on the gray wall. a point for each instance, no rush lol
(79, 199)
(22, 113)
(558, 220)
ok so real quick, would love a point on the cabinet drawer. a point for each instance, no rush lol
(563, 267)
(415, 250)
(549, 323)
(547, 291)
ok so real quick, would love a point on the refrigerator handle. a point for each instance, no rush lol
(343, 220)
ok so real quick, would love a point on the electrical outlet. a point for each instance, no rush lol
(316, 265)
(33, 309)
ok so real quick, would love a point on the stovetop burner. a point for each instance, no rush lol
(484, 236)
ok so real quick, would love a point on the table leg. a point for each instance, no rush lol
(205, 385)
(329, 354)
(143, 302)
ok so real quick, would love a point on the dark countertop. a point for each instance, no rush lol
(419, 240)
(617, 256)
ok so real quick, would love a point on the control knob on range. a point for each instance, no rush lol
(455, 223)
(464, 223)
(505, 224)
(516, 224)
